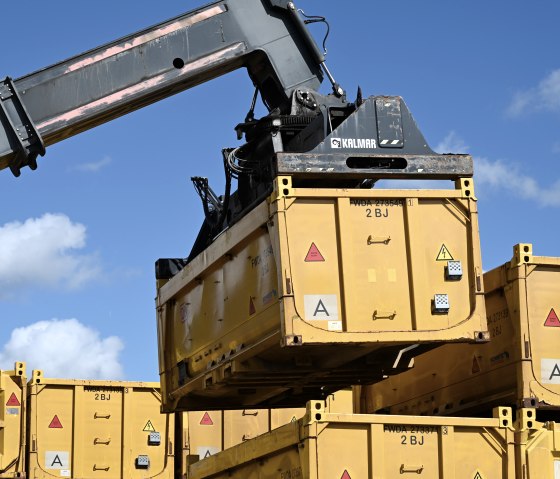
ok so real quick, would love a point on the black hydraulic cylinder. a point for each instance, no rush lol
(132, 72)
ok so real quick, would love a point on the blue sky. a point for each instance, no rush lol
(79, 236)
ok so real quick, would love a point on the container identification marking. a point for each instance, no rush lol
(206, 420)
(550, 371)
(57, 460)
(411, 435)
(552, 320)
(55, 423)
(13, 401)
(321, 306)
(291, 473)
(444, 254)
(314, 255)
(149, 427)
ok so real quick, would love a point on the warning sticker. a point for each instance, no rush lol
(550, 371)
(252, 309)
(149, 427)
(345, 475)
(313, 254)
(444, 254)
(321, 306)
(478, 475)
(57, 460)
(13, 401)
(294, 419)
(206, 451)
(552, 320)
(335, 326)
(475, 365)
(206, 420)
(55, 423)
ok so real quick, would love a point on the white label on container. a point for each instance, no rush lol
(320, 306)
(57, 460)
(556, 469)
(65, 473)
(206, 451)
(550, 371)
(12, 411)
(335, 325)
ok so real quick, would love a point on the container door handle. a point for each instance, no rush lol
(101, 416)
(383, 315)
(414, 469)
(245, 413)
(99, 441)
(95, 468)
(378, 240)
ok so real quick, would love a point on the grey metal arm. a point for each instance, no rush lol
(265, 36)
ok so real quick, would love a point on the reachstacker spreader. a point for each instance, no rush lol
(304, 277)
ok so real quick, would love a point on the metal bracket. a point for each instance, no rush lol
(22, 135)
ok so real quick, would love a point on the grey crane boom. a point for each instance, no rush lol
(265, 36)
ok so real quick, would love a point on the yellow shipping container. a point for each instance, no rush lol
(12, 421)
(208, 432)
(354, 446)
(316, 289)
(520, 366)
(98, 429)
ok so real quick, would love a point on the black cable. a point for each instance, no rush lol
(318, 19)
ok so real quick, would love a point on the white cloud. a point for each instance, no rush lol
(545, 96)
(43, 252)
(64, 348)
(452, 143)
(94, 166)
(501, 175)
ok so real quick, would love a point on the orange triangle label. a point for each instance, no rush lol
(13, 401)
(206, 420)
(252, 309)
(313, 254)
(55, 423)
(552, 319)
(475, 365)
(345, 475)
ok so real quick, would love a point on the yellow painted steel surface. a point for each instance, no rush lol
(98, 429)
(208, 432)
(354, 446)
(12, 421)
(319, 287)
(520, 366)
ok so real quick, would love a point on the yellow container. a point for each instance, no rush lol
(98, 429)
(208, 432)
(354, 446)
(520, 366)
(12, 421)
(315, 289)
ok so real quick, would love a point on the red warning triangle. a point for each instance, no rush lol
(552, 319)
(55, 423)
(313, 254)
(13, 401)
(475, 365)
(345, 475)
(206, 420)
(252, 309)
